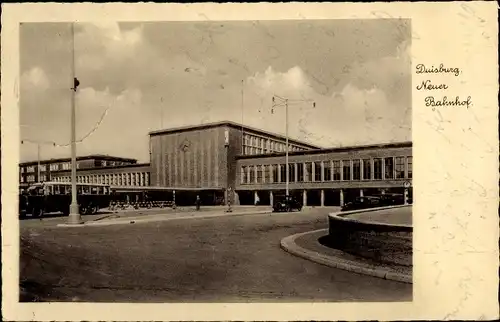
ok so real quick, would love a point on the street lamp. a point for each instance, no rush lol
(74, 212)
(39, 144)
(279, 102)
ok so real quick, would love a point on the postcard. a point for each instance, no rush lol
(237, 161)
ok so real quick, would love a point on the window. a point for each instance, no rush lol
(410, 167)
(275, 169)
(43, 167)
(389, 168)
(300, 172)
(43, 177)
(400, 167)
(22, 169)
(308, 171)
(317, 171)
(283, 172)
(346, 170)
(336, 170)
(66, 166)
(31, 169)
(22, 179)
(356, 170)
(367, 169)
(251, 175)
(377, 169)
(328, 170)
(54, 167)
(243, 174)
(267, 173)
(291, 172)
(259, 173)
(31, 178)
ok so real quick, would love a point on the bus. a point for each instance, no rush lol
(48, 197)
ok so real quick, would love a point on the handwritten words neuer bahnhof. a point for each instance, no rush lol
(428, 85)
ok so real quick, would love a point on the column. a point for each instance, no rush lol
(271, 201)
(141, 179)
(322, 172)
(278, 168)
(322, 197)
(361, 194)
(255, 197)
(236, 199)
(361, 170)
(341, 197)
(304, 198)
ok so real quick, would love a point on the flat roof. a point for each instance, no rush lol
(161, 188)
(407, 144)
(135, 165)
(83, 157)
(233, 125)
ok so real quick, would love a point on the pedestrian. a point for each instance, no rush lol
(198, 202)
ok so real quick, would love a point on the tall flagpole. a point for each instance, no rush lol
(74, 215)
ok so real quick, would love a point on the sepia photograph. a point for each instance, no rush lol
(250, 162)
(220, 161)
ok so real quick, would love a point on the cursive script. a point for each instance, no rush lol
(431, 101)
(427, 85)
(422, 69)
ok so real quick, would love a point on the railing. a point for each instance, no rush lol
(123, 205)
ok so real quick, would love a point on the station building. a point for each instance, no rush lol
(52, 168)
(201, 160)
(229, 162)
(325, 177)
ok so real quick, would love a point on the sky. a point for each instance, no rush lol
(140, 77)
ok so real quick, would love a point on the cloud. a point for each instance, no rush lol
(35, 79)
(355, 113)
(292, 81)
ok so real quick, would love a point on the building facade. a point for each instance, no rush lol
(203, 158)
(325, 177)
(132, 175)
(228, 162)
(28, 171)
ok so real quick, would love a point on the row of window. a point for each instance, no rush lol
(389, 168)
(67, 166)
(32, 178)
(253, 144)
(116, 179)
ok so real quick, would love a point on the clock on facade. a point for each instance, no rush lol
(185, 145)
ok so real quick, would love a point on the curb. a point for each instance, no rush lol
(288, 244)
(157, 219)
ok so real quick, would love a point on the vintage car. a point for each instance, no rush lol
(286, 204)
(362, 203)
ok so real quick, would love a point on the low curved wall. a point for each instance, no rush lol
(384, 243)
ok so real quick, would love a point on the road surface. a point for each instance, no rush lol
(223, 259)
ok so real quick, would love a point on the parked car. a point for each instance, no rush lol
(286, 204)
(391, 199)
(362, 203)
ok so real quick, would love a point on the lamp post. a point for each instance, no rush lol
(39, 149)
(228, 186)
(74, 211)
(285, 102)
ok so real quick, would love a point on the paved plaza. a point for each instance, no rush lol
(216, 259)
